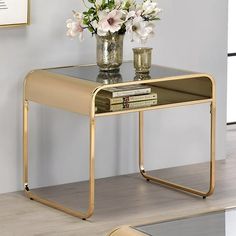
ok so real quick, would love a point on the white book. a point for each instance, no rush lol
(130, 90)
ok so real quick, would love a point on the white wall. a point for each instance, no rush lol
(230, 219)
(231, 83)
(192, 35)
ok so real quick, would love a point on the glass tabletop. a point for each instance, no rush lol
(211, 224)
(125, 74)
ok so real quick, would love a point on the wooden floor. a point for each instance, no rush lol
(121, 200)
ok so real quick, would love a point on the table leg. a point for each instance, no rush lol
(174, 185)
(33, 196)
(25, 143)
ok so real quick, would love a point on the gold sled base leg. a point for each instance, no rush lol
(57, 206)
(174, 185)
(31, 195)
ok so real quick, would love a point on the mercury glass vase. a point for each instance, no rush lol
(110, 51)
(109, 77)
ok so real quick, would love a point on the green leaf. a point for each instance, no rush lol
(92, 10)
(86, 21)
(111, 5)
(90, 29)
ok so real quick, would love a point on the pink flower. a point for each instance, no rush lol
(109, 22)
(75, 27)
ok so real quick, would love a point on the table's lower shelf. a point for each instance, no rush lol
(165, 98)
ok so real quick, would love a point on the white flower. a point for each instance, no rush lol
(150, 9)
(109, 22)
(132, 14)
(75, 26)
(139, 29)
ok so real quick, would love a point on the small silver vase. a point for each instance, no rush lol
(142, 59)
(110, 51)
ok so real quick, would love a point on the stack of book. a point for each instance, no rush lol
(125, 97)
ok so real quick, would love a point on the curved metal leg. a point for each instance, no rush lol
(171, 184)
(31, 195)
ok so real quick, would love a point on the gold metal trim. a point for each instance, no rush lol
(21, 24)
(180, 104)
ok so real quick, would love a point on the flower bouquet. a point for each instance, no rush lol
(109, 20)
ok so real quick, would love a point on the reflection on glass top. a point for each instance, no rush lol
(212, 224)
(125, 74)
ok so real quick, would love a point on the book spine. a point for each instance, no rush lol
(132, 105)
(137, 98)
(140, 98)
(131, 92)
(109, 101)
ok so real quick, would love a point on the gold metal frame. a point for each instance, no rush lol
(171, 184)
(20, 24)
(31, 195)
(212, 154)
(36, 84)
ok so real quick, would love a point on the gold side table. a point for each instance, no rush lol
(74, 89)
